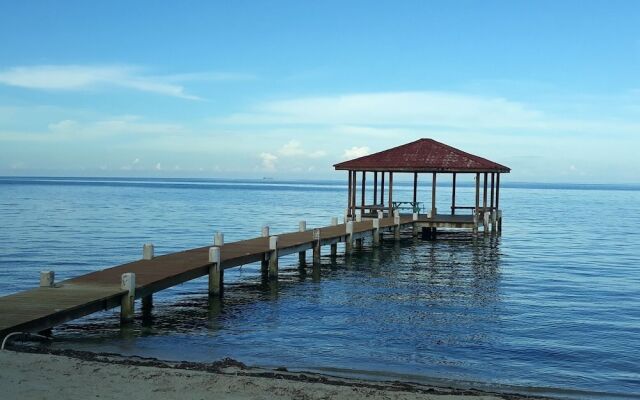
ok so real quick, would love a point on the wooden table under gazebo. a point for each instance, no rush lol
(420, 157)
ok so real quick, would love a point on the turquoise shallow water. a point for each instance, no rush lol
(552, 303)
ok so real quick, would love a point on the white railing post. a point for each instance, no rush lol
(273, 257)
(376, 231)
(215, 272)
(128, 283)
(47, 278)
(218, 239)
(396, 223)
(349, 235)
(302, 255)
(147, 251)
(316, 246)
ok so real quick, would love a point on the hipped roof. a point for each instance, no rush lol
(423, 155)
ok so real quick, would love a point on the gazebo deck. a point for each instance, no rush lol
(444, 221)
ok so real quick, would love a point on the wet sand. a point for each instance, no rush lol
(83, 375)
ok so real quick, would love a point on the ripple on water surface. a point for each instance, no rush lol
(551, 303)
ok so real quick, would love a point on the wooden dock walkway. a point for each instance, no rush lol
(43, 308)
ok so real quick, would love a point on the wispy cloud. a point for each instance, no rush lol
(398, 108)
(382, 114)
(69, 129)
(82, 77)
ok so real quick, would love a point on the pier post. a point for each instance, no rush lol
(494, 219)
(264, 264)
(316, 247)
(147, 251)
(376, 231)
(273, 257)
(216, 273)
(127, 309)
(147, 254)
(218, 239)
(415, 224)
(499, 219)
(334, 246)
(358, 242)
(485, 222)
(302, 256)
(349, 236)
(475, 222)
(147, 305)
(396, 222)
(47, 278)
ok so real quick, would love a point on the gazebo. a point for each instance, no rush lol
(425, 156)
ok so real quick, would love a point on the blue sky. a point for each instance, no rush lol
(288, 88)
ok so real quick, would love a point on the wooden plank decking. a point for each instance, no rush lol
(45, 307)
(42, 308)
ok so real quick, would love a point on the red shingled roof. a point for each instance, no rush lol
(423, 155)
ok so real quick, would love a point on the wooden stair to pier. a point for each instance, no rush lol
(42, 308)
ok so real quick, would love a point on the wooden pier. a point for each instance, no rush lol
(53, 303)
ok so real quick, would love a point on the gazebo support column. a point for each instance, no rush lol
(476, 211)
(363, 197)
(433, 197)
(349, 196)
(353, 196)
(499, 216)
(382, 190)
(391, 194)
(453, 195)
(485, 219)
(415, 189)
(375, 187)
(492, 212)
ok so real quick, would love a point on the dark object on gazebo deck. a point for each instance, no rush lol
(426, 156)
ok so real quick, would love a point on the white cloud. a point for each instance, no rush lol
(158, 167)
(294, 148)
(268, 161)
(79, 77)
(356, 152)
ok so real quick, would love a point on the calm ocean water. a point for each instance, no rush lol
(552, 303)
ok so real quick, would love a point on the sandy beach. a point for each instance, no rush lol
(79, 375)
